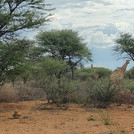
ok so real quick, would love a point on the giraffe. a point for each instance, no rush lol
(119, 74)
(95, 74)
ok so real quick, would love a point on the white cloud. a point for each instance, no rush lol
(125, 27)
(101, 40)
(97, 21)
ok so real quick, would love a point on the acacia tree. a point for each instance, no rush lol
(52, 67)
(64, 45)
(14, 59)
(15, 17)
(18, 15)
(125, 46)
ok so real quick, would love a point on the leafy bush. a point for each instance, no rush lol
(59, 91)
(81, 92)
(102, 92)
(54, 67)
(102, 72)
(129, 85)
(130, 73)
(86, 73)
(83, 74)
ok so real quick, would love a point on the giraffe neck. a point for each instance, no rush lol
(123, 68)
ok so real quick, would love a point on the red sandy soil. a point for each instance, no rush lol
(72, 119)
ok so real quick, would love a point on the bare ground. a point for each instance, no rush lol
(71, 119)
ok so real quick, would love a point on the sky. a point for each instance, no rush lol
(99, 23)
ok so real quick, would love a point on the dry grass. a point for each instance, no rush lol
(8, 94)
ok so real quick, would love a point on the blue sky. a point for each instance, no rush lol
(98, 22)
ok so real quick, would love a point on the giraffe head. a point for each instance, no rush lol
(127, 61)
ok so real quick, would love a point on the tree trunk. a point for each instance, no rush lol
(13, 81)
(72, 70)
(25, 78)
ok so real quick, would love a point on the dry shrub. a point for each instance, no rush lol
(81, 94)
(124, 97)
(8, 94)
(27, 92)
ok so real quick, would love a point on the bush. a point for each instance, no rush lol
(81, 92)
(124, 97)
(102, 92)
(59, 91)
(103, 72)
(83, 74)
(86, 73)
(8, 94)
(29, 91)
(130, 73)
(129, 85)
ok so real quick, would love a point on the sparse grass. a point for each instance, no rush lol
(46, 108)
(52, 106)
(108, 132)
(123, 131)
(76, 117)
(116, 132)
(130, 106)
(106, 118)
(91, 118)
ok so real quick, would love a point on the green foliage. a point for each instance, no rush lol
(130, 73)
(48, 75)
(63, 45)
(58, 92)
(83, 74)
(86, 73)
(53, 67)
(66, 89)
(102, 72)
(17, 15)
(49, 68)
(125, 46)
(13, 57)
(102, 92)
(129, 85)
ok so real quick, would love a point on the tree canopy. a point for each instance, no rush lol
(125, 46)
(64, 45)
(53, 67)
(15, 17)
(13, 57)
(18, 15)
